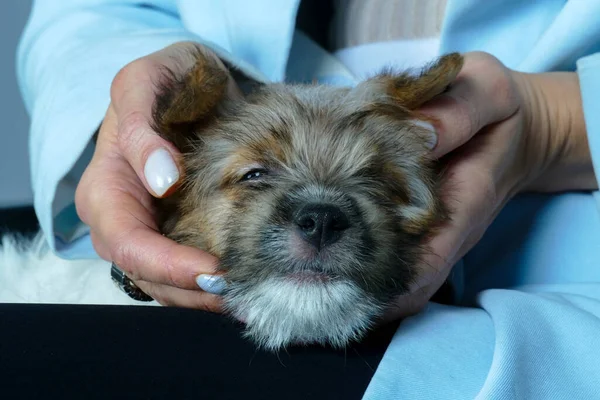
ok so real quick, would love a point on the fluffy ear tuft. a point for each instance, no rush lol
(412, 90)
(185, 101)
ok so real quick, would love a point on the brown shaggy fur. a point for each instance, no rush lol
(252, 162)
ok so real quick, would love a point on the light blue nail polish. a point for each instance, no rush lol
(211, 283)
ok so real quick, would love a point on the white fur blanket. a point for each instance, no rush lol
(31, 273)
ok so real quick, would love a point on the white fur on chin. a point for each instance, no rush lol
(279, 312)
(31, 273)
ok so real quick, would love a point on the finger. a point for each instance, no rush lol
(471, 194)
(474, 197)
(129, 231)
(482, 94)
(435, 266)
(101, 249)
(125, 231)
(146, 255)
(139, 250)
(154, 159)
(477, 232)
(175, 297)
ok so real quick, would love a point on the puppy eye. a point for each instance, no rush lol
(254, 175)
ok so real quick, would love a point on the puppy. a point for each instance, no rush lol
(317, 200)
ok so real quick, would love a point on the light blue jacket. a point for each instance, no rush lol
(539, 341)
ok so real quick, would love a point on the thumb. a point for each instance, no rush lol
(155, 160)
(482, 94)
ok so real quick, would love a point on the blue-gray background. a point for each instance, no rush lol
(15, 184)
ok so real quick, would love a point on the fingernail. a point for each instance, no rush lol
(432, 137)
(211, 283)
(160, 171)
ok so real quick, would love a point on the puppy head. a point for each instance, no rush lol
(316, 199)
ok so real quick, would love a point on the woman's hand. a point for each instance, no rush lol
(131, 164)
(500, 132)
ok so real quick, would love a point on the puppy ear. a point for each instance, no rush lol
(408, 90)
(395, 97)
(184, 102)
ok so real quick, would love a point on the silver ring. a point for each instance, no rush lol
(126, 285)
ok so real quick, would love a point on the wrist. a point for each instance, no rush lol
(554, 133)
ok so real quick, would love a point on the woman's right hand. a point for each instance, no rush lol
(131, 164)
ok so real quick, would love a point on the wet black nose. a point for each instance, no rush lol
(321, 224)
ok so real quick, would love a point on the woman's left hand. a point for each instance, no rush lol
(500, 132)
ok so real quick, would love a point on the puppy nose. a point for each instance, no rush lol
(321, 224)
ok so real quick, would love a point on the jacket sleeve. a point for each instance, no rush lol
(588, 70)
(68, 55)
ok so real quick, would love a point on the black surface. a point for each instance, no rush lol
(111, 352)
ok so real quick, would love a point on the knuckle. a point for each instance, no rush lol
(504, 92)
(99, 246)
(169, 260)
(90, 199)
(501, 84)
(82, 202)
(466, 116)
(119, 82)
(120, 255)
(482, 61)
(131, 129)
(501, 87)
(87, 197)
(131, 72)
(123, 254)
